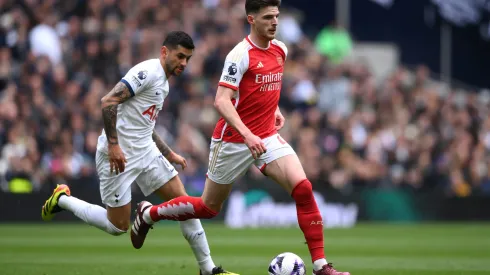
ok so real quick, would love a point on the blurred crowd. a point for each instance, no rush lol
(58, 58)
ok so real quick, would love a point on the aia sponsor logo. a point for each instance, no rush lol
(151, 112)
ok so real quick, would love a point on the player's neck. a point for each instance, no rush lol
(259, 41)
(162, 63)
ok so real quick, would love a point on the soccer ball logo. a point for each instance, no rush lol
(232, 69)
(287, 264)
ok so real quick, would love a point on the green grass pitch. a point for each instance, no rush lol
(367, 249)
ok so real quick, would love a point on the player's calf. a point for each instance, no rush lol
(179, 209)
(309, 219)
(213, 204)
(215, 194)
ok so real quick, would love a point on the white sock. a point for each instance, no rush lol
(147, 217)
(318, 264)
(195, 235)
(92, 214)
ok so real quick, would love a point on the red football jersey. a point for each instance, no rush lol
(255, 74)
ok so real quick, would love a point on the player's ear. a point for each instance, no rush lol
(164, 52)
(250, 19)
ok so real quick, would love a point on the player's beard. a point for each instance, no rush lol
(266, 33)
(174, 70)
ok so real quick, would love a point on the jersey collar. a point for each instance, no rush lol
(256, 46)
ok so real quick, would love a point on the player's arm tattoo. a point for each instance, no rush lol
(109, 102)
(162, 146)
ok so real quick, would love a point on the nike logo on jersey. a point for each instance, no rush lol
(157, 93)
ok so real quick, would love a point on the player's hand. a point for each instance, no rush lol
(279, 120)
(117, 159)
(177, 159)
(255, 144)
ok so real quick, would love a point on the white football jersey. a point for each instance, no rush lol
(136, 117)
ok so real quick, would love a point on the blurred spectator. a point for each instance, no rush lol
(334, 42)
(44, 40)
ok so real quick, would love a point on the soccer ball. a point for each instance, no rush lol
(287, 264)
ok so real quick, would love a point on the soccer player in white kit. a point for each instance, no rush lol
(129, 150)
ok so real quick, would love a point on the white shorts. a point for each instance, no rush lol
(115, 190)
(228, 161)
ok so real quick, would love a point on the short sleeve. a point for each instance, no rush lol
(137, 79)
(282, 46)
(236, 64)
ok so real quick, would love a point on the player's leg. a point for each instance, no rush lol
(115, 192)
(281, 164)
(193, 231)
(288, 172)
(183, 208)
(227, 161)
(161, 178)
(213, 197)
(114, 221)
(186, 207)
(215, 194)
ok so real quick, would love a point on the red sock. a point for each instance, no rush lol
(309, 218)
(181, 209)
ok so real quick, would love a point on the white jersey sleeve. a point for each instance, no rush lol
(282, 46)
(236, 65)
(138, 79)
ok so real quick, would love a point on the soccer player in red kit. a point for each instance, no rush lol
(246, 134)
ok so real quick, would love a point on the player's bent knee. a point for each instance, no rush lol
(303, 191)
(115, 230)
(120, 226)
(117, 233)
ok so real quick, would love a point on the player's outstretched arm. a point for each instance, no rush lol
(167, 152)
(225, 108)
(109, 102)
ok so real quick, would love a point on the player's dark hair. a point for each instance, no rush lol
(254, 6)
(176, 38)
